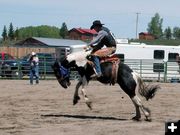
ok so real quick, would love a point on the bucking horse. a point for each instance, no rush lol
(113, 70)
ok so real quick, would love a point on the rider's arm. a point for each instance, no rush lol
(98, 38)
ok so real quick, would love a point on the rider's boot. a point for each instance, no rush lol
(97, 67)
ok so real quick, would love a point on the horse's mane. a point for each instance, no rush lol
(79, 57)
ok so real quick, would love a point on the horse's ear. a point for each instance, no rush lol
(65, 62)
(57, 61)
(56, 64)
(61, 59)
(72, 63)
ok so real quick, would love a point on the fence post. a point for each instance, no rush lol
(141, 68)
(45, 70)
(165, 71)
(18, 69)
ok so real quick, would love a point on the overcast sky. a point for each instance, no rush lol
(118, 15)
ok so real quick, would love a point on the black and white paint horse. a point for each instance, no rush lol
(129, 81)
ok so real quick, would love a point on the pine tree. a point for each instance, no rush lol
(11, 32)
(63, 31)
(16, 34)
(168, 33)
(176, 32)
(4, 33)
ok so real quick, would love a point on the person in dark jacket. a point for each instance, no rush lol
(103, 44)
(34, 67)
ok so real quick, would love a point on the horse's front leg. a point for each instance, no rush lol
(84, 84)
(76, 94)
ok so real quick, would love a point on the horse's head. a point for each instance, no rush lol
(61, 71)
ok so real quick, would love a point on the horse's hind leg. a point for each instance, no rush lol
(138, 104)
(138, 113)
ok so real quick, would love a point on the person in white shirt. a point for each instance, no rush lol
(34, 67)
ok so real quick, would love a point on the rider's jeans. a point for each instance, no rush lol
(97, 64)
(34, 71)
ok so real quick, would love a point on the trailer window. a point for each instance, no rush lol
(158, 54)
(172, 57)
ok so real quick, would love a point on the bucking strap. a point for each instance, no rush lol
(115, 66)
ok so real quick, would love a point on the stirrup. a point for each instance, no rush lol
(96, 75)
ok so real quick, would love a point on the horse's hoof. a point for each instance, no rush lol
(69, 83)
(75, 102)
(89, 104)
(135, 118)
(76, 99)
(148, 119)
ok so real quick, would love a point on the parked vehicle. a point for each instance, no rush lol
(18, 68)
(8, 65)
(5, 56)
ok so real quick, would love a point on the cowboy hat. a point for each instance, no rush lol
(96, 23)
(33, 53)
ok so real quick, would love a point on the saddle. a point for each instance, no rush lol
(115, 64)
(112, 58)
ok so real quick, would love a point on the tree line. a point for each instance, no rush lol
(155, 28)
(34, 31)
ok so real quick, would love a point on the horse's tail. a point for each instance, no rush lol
(147, 91)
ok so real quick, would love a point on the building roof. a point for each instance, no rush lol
(84, 31)
(50, 42)
(145, 33)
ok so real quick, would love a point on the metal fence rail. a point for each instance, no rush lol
(155, 70)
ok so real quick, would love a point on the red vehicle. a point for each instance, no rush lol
(5, 56)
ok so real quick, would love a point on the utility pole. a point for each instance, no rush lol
(137, 20)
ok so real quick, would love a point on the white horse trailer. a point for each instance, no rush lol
(151, 61)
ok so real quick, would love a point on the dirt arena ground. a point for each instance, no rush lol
(47, 109)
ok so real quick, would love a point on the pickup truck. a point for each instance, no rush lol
(17, 68)
(7, 60)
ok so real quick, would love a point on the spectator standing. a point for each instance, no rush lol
(34, 67)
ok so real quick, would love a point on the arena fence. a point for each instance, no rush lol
(149, 70)
(153, 70)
